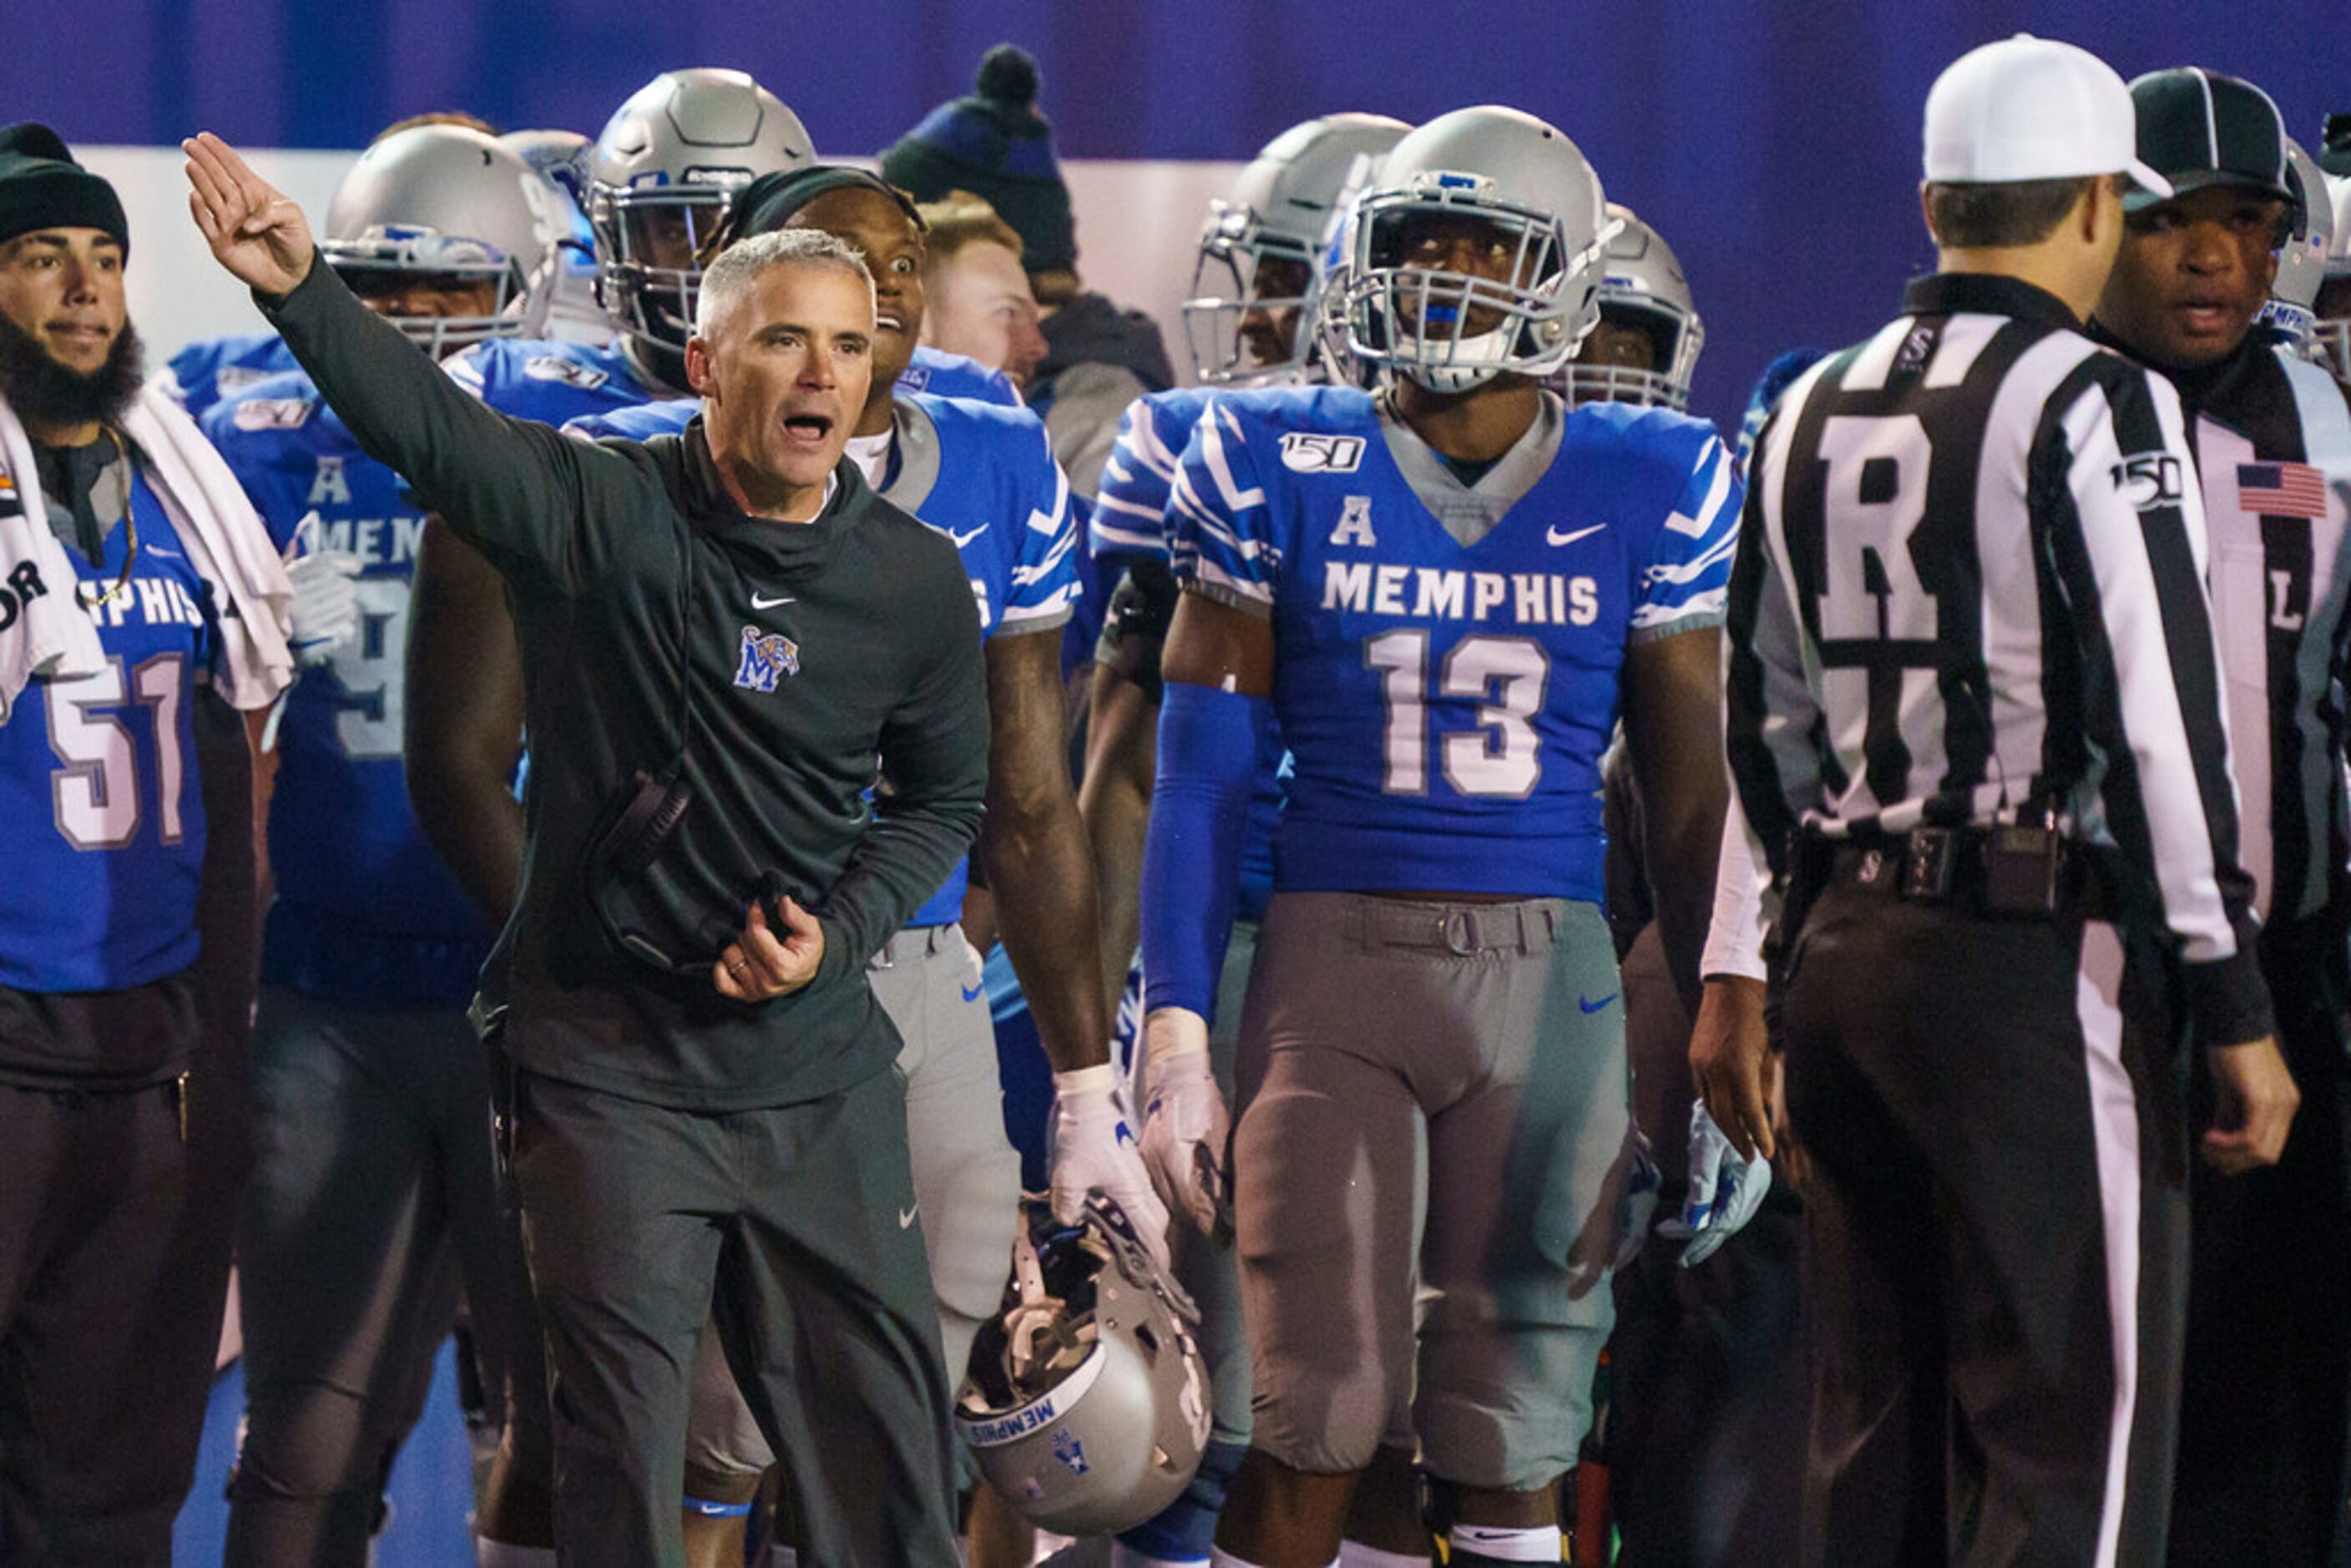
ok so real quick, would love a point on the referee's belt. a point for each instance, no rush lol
(2009, 871)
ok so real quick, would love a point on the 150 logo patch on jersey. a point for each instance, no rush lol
(570, 372)
(2149, 480)
(1305, 452)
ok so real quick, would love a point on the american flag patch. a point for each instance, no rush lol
(2282, 490)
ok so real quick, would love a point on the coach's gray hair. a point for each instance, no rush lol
(746, 259)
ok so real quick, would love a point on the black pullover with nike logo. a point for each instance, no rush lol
(811, 651)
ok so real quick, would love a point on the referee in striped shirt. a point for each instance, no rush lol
(2265, 1469)
(1975, 725)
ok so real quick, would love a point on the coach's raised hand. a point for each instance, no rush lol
(255, 230)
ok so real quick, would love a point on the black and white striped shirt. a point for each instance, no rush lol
(1970, 577)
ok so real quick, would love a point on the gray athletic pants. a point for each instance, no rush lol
(967, 1173)
(793, 1230)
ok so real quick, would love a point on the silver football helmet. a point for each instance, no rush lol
(2301, 258)
(2331, 331)
(1086, 1402)
(661, 178)
(561, 159)
(1496, 185)
(442, 202)
(1261, 252)
(1642, 289)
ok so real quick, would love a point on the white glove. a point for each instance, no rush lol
(1094, 1150)
(1636, 1206)
(325, 612)
(1726, 1189)
(1186, 1127)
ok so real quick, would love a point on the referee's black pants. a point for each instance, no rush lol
(793, 1228)
(1994, 1275)
(2265, 1391)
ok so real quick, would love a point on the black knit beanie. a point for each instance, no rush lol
(41, 187)
(997, 146)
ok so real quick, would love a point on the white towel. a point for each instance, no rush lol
(226, 543)
(225, 540)
(48, 634)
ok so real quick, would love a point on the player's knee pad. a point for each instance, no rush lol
(1181, 1531)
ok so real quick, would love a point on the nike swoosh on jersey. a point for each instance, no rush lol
(1552, 536)
(760, 602)
(961, 540)
(906, 1217)
(1588, 1005)
(971, 993)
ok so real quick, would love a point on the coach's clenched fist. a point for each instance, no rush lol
(255, 230)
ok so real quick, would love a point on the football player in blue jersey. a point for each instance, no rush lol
(373, 1197)
(210, 368)
(1447, 591)
(1257, 286)
(984, 476)
(141, 608)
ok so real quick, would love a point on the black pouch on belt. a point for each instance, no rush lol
(622, 874)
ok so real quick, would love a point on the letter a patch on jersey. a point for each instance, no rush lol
(329, 486)
(1355, 523)
(766, 656)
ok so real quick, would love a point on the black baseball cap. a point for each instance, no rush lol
(2199, 128)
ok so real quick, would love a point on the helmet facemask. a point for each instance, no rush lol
(649, 243)
(1246, 270)
(1675, 337)
(1523, 313)
(389, 257)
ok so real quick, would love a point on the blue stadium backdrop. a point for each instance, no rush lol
(1775, 142)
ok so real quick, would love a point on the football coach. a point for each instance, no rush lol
(722, 632)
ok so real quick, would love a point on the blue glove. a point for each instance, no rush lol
(1636, 1206)
(1726, 1189)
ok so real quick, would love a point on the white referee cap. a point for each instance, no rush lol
(2032, 109)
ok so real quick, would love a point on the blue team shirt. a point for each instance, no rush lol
(365, 914)
(932, 373)
(1448, 703)
(213, 368)
(102, 810)
(553, 381)
(1130, 519)
(983, 475)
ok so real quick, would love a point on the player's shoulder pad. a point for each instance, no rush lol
(1672, 445)
(283, 400)
(639, 421)
(983, 419)
(943, 374)
(1305, 430)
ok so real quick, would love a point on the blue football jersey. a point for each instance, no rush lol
(365, 914)
(1448, 655)
(102, 810)
(943, 374)
(551, 381)
(1130, 513)
(1130, 519)
(211, 368)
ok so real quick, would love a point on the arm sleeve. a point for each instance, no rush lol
(1684, 586)
(1130, 516)
(1191, 856)
(2170, 789)
(1044, 586)
(1734, 938)
(1219, 528)
(935, 752)
(508, 487)
(1772, 715)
